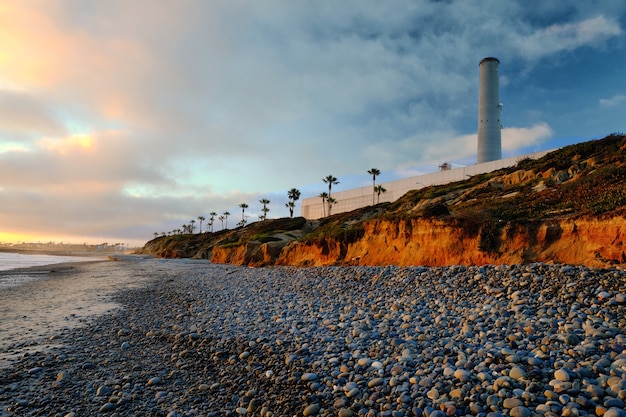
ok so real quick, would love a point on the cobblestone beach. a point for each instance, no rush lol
(217, 340)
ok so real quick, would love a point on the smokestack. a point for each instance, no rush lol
(489, 107)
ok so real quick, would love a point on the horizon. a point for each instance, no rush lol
(137, 118)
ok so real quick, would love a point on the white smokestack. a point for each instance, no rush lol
(489, 107)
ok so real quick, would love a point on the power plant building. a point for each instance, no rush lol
(489, 108)
(489, 156)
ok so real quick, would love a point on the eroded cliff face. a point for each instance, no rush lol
(587, 241)
(251, 253)
(567, 207)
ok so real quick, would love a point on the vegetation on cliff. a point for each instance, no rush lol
(567, 206)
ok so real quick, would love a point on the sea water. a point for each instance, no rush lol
(10, 260)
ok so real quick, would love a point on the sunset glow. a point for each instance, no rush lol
(120, 119)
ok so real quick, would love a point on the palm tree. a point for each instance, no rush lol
(374, 172)
(213, 214)
(324, 196)
(192, 221)
(243, 206)
(330, 180)
(379, 189)
(330, 201)
(293, 195)
(265, 202)
(156, 234)
(226, 214)
(201, 218)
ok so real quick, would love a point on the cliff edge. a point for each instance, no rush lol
(566, 207)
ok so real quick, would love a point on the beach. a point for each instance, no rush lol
(189, 338)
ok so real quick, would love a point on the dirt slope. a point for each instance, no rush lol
(567, 207)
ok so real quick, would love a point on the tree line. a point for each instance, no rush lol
(293, 195)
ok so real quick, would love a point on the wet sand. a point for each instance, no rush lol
(44, 301)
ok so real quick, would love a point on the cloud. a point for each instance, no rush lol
(25, 115)
(616, 100)
(516, 138)
(126, 113)
(568, 36)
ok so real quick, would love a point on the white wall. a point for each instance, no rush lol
(361, 197)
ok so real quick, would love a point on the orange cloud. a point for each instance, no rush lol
(63, 146)
(38, 52)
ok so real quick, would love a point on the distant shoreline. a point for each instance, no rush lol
(61, 252)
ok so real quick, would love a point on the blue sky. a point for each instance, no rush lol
(119, 119)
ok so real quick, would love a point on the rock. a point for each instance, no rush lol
(154, 381)
(311, 410)
(615, 412)
(433, 394)
(561, 375)
(511, 403)
(375, 382)
(517, 373)
(462, 375)
(520, 411)
(106, 408)
(309, 376)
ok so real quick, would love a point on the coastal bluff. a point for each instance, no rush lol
(566, 207)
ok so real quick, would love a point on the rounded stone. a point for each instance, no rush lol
(520, 411)
(433, 394)
(108, 407)
(511, 403)
(615, 412)
(517, 373)
(309, 376)
(311, 410)
(462, 375)
(561, 375)
(375, 382)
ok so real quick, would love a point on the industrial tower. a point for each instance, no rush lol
(489, 108)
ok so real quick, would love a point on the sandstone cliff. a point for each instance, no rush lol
(567, 207)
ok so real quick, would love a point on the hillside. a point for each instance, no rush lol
(566, 207)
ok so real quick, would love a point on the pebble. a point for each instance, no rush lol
(534, 339)
(311, 410)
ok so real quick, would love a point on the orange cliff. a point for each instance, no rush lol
(568, 206)
(588, 241)
(595, 241)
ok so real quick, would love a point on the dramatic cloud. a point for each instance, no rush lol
(124, 117)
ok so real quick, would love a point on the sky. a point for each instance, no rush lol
(121, 119)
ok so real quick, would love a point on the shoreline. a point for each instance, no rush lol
(64, 252)
(196, 338)
(54, 298)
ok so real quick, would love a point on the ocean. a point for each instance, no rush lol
(10, 260)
